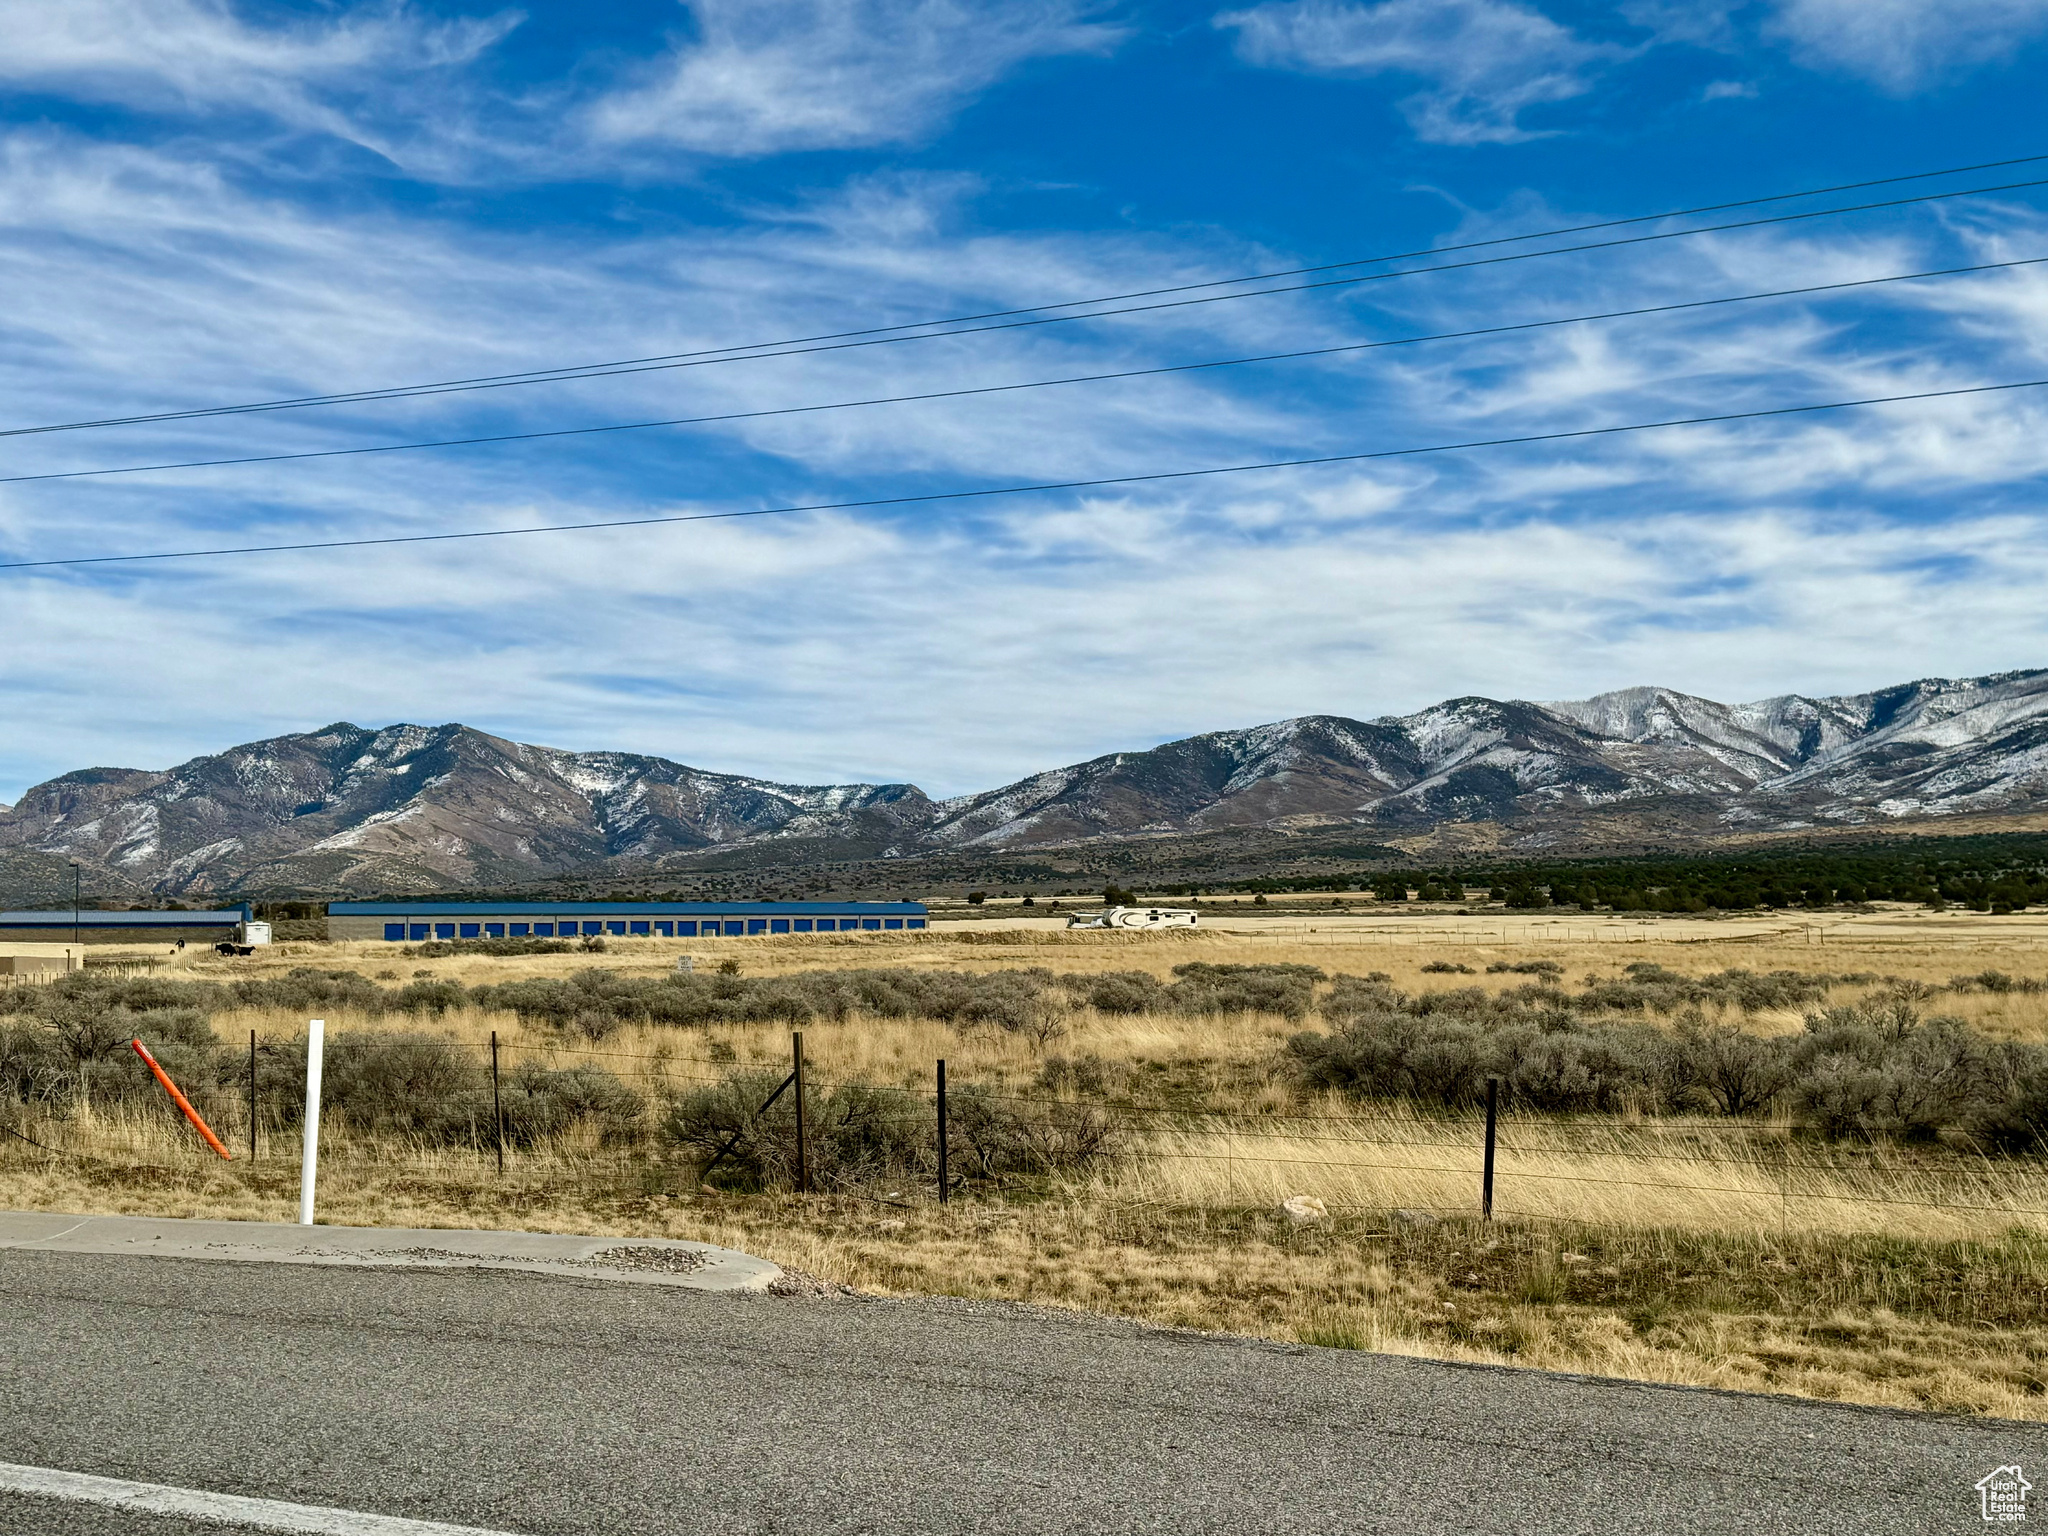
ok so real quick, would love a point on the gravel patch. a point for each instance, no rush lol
(795, 1283)
(667, 1261)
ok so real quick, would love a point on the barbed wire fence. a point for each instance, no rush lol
(1492, 1155)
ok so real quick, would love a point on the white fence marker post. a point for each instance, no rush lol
(310, 1165)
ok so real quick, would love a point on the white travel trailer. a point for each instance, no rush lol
(1135, 917)
(249, 935)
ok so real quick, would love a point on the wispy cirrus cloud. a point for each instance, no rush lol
(836, 649)
(200, 53)
(1484, 62)
(1809, 552)
(347, 75)
(1530, 571)
(1707, 23)
(1905, 45)
(768, 76)
(756, 78)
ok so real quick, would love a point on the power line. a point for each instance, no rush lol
(998, 389)
(887, 335)
(1019, 490)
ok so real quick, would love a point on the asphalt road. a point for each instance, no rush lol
(538, 1405)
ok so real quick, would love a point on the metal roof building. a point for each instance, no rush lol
(95, 927)
(411, 922)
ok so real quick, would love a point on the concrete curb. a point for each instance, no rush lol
(636, 1260)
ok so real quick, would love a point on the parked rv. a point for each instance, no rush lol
(1135, 917)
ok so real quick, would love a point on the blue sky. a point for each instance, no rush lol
(206, 203)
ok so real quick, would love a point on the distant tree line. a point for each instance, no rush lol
(1991, 873)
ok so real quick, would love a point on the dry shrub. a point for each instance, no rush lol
(1872, 1069)
(852, 1134)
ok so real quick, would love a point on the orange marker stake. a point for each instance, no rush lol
(180, 1100)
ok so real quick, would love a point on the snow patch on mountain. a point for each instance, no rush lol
(428, 806)
(356, 836)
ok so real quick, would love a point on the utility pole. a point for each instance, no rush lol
(74, 910)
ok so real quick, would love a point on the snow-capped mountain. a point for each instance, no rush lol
(1932, 748)
(417, 807)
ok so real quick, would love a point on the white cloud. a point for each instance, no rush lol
(200, 52)
(1888, 341)
(337, 77)
(156, 284)
(1485, 61)
(767, 76)
(962, 644)
(932, 654)
(1703, 23)
(757, 77)
(1904, 45)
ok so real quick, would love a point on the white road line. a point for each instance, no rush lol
(223, 1508)
(31, 1242)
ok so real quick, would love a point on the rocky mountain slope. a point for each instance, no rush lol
(420, 808)
(1932, 748)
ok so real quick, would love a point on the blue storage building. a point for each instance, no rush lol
(96, 927)
(411, 922)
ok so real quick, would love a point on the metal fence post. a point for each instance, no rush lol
(942, 1131)
(1486, 1178)
(803, 1168)
(252, 1095)
(497, 1105)
(309, 1166)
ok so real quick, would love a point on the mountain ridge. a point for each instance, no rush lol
(349, 809)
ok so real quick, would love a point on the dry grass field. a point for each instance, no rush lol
(1730, 1253)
